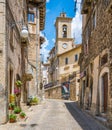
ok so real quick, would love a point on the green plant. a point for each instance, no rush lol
(22, 114)
(12, 98)
(12, 117)
(17, 110)
(34, 101)
(11, 106)
(18, 83)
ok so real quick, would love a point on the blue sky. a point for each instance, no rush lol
(53, 10)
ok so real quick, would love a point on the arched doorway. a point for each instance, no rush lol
(90, 91)
(105, 91)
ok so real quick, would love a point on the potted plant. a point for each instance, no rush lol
(22, 115)
(17, 110)
(18, 83)
(12, 98)
(12, 118)
(34, 101)
(11, 106)
(17, 91)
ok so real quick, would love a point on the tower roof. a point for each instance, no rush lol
(63, 14)
(62, 17)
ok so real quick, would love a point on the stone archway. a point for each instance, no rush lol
(103, 89)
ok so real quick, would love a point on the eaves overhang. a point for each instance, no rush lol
(41, 5)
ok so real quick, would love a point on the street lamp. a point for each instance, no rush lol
(24, 32)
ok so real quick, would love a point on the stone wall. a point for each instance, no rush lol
(53, 93)
(73, 90)
(10, 51)
(99, 41)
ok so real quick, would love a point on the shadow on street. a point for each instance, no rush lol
(85, 121)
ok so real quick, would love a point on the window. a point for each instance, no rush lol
(64, 31)
(86, 48)
(86, 41)
(94, 20)
(104, 59)
(66, 61)
(31, 17)
(91, 67)
(12, 38)
(76, 57)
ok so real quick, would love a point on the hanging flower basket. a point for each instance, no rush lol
(18, 83)
(17, 91)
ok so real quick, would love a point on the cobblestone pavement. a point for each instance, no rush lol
(55, 115)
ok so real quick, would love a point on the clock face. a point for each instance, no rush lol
(64, 45)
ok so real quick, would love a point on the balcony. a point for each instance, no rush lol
(28, 75)
(85, 4)
(41, 4)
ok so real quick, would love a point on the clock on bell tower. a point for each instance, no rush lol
(64, 40)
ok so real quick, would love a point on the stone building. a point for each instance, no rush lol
(96, 58)
(45, 75)
(64, 68)
(11, 50)
(36, 23)
(69, 70)
(14, 62)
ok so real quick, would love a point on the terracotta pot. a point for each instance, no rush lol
(12, 120)
(22, 117)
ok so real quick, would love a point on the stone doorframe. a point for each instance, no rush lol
(101, 88)
(10, 80)
(82, 91)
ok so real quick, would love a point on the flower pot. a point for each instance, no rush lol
(22, 117)
(12, 120)
(11, 108)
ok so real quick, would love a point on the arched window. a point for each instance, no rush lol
(66, 61)
(76, 57)
(64, 31)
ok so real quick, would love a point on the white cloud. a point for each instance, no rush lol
(47, 1)
(77, 25)
(48, 10)
(77, 1)
(53, 40)
(44, 51)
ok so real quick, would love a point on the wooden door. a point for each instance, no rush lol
(105, 84)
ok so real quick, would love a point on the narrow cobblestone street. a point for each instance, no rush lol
(55, 115)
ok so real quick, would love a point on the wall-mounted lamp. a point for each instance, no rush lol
(24, 36)
(24, 32)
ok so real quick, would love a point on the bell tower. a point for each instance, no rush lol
(64, 40)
